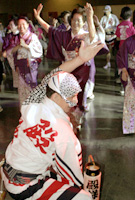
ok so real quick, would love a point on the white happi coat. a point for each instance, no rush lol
(109, 24)
(44, 138)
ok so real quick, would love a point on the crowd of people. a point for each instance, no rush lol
(37, 164)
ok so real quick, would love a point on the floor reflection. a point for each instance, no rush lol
(101, 134)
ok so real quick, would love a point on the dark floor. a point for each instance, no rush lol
(101, 134)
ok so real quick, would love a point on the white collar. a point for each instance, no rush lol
(82, 31)
(55, 108)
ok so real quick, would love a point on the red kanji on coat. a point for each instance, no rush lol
(41, 135)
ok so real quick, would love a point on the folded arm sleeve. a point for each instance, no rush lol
(68, 154)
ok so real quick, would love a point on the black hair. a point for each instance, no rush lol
(126, 13)
(14, 18)
(49, 91)
(76, 11)
(62, 15)
(25, 18)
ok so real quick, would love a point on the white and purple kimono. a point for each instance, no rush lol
(44, 141)
(126, 59)
(27, 62)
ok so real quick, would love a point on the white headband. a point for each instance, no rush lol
(65, 84)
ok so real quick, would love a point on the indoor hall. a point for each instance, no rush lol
(101, 133)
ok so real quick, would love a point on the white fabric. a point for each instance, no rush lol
(129, 102)
(64, 84)
(34, 51)
(89, 88)
(107, 8)
(109, 22)
(100, 35)
(22, 153)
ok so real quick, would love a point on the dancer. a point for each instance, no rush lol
(37, 161)
(89, 87)
(27, 56)
(109, 22)
(124, 30)
(9, 43)
(126, 65)
(65, 23)
(64, 45)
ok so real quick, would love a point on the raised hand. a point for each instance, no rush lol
(124, 74)
(89, 10)
(38, 10)
(43, 23)
(96, 20)
(91, 27)
(23, 44)
(88, 52)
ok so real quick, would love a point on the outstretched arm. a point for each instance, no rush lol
(85, 53)
(90, 21)
(124, 74)
(37, 12)
(97, 24)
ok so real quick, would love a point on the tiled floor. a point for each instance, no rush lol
(101, 134)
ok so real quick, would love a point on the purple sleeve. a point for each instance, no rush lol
(122, 55)
(104, 50)
(54, 50)
(122, 59)
(6, 42)
(10, 41)
(62, 26)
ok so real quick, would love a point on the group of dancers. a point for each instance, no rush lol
(44, 159)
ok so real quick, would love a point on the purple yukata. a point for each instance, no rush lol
(10, 41)
(64, 46)
(126, 59)
(62, 26)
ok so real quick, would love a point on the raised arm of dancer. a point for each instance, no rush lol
(37, 12)
(85, 53)
(91, 27)
(97, 24)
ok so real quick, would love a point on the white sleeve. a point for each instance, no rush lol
(35, 47)
(68, 153)
(116, 20)
(101, 34)
(101, 21)
(98, 36)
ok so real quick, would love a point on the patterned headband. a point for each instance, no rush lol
(67, 86)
